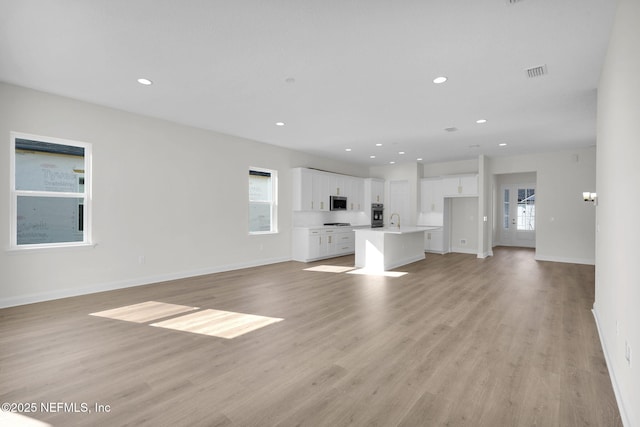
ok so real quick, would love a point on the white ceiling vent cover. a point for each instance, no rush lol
(537, 71)
(513, 1)
(451, 129)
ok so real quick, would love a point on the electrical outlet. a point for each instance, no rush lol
(627, 352)
(617, 328)
(463, 241)
(141, 259)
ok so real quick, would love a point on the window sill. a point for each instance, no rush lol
(37, 249)
(262, 233)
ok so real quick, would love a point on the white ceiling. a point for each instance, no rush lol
(363, 69)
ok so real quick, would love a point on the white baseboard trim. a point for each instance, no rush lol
(431, 251)
(485, 254)
(465, 251)
(129, 283)
(565, 259)
(614, 382)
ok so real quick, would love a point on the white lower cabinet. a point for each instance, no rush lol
(345, 242)
(310, 244)
(315, 247)
(433, 241)
(330, 242)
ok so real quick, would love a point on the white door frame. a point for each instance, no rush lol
(512, 236)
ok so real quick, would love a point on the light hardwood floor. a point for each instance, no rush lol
(458, 341)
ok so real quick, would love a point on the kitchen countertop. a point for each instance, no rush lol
(396, 230)
(332, 227)
(387, 229)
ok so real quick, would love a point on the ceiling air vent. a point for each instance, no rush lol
(513, 1)
(451, 129)
(537, 71)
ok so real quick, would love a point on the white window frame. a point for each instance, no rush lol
(273, 202)
(14, 194)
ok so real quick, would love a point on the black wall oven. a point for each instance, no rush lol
(377, 215)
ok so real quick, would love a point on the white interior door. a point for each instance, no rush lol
(518, 224)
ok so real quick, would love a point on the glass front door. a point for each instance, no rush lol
(518, 224)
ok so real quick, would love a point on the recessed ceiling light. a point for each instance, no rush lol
(419, 159)
(400, 152)
(347, 149)
(439, 80)
(480, 121)
(372, 157)
(502, 144)
(378, 145)
(145, 82)
(279, 123)
(392, 162)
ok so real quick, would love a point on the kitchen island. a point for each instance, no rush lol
(381, 249)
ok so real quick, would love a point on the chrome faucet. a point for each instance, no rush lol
(391, 217)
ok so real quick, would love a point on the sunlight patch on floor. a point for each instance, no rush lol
(330, 268)
(144, 312)
(217, 323)
(366, 272)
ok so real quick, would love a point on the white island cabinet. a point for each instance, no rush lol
(381, 249)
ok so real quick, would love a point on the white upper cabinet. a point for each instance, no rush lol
(460, 185)
(432, 201)
(320, 191)
(374, 190)
(302, 184)
(312, 189)
(337, 184)
(355, 194)
(431, 195)
(433, 191)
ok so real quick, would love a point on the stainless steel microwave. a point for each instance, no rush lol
(337, 203)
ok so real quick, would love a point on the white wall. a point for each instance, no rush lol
(517, 178)
(464, 224)
(398, 202)
(410, 172)
(617, 302)
(485, 211)
(450, 168)
(174, 194)
(565, 224)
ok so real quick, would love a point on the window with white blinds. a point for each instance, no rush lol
(263, 201)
